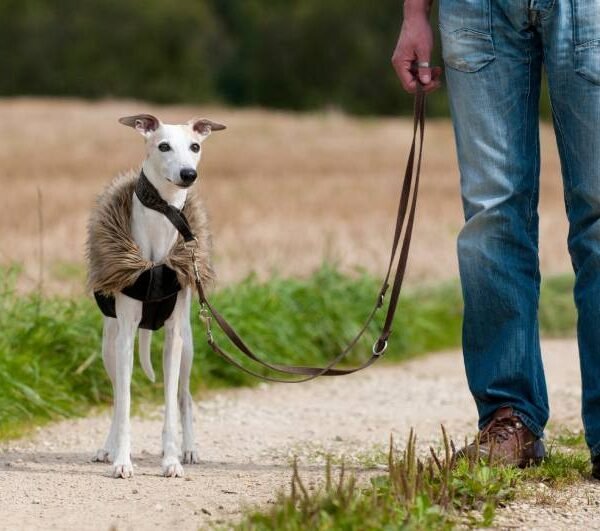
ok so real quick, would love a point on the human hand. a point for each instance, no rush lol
(415, 45)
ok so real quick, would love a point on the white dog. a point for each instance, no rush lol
(173, 153)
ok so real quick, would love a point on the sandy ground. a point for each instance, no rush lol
(247, 439)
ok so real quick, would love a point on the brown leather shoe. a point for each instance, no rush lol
(506, 441)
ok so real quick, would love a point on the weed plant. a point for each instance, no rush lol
(435, 492)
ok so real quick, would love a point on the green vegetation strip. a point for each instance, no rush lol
(438, 492)
(50, 348)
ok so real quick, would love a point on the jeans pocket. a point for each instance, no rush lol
(466, 50)
(586, 39)
(466, 33)
(474, 15)
(587, 61)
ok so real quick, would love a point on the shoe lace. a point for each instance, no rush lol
(501, 429)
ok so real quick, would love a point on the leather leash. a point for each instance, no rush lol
(150, 198)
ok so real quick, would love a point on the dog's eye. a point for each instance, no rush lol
(164, 147)
(195, 147)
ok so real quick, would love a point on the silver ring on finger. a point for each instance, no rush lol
(423, 64)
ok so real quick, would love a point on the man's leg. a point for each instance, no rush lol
(493, 68)
(571, 35)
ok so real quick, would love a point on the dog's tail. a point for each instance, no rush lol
(145, 338)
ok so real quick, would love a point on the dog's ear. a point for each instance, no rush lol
(143, 123)
(205, 127)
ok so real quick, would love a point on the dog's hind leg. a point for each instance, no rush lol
(171, 466)
(186, 405)
(129, 313)
(109, 337)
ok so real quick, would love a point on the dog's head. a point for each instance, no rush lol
(173, 151)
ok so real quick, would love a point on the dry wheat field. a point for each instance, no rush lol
(285, 191)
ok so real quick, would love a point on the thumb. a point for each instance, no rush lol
(424, 73)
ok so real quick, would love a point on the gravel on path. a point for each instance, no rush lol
(247, 438)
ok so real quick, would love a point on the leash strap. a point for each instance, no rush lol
(150, 197)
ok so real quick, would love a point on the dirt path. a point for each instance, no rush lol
(246, 440)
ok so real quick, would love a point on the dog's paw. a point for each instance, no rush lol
(171, 468)
(191, 457)
(102, 456)
(123, 470)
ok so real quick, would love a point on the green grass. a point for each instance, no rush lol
(571, 439)
(434, 493)
(439, 492)
(50, 357)
(560, 468)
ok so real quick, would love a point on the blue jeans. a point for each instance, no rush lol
(494, 51)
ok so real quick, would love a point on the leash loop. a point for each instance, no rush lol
(405, 220)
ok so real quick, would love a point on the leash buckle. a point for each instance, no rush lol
(382, 350)
(206, 318)
(382, 293)
(192, 244)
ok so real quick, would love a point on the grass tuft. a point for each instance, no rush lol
(435, 492)
(560, 468)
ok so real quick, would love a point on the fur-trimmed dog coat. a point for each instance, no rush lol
(115, 263)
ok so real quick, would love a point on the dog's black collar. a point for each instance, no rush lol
(150, 198)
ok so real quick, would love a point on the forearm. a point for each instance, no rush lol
(417, 8)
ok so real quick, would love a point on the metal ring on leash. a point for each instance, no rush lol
(379, 352)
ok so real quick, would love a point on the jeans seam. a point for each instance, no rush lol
(548, 11)
(561, 134)
(526, 122)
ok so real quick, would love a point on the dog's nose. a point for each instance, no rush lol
(188, 175)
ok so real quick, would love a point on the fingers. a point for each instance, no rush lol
(423, 72)
(409, 77)
(430, 78)
(435, 82)
(403, 66)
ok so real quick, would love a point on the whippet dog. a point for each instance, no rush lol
(173, 153)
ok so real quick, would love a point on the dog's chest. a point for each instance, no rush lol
(153, 232)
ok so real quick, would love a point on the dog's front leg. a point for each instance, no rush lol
(189, 450)
(129, 313)
(171, 466)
